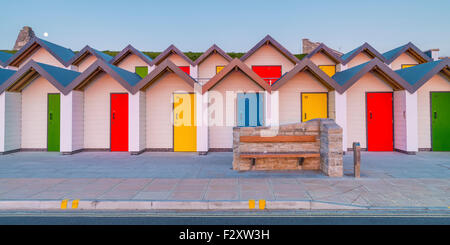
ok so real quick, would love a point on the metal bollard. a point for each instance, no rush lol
(356, 159)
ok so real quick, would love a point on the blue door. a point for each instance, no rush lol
(250, 109)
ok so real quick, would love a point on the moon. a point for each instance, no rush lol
(45, 34)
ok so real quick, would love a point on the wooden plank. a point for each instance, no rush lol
(280, 138)
(287, 155)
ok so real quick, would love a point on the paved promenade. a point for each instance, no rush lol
(388, 180)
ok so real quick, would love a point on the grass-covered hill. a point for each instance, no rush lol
(192, 55)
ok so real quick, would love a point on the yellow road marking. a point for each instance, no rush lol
(251, 204)
(75, 203)
(64, 204)
(262, 204)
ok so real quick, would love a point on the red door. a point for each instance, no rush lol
(380, 134)
(186, 69)
(268, 73)
(119, 122)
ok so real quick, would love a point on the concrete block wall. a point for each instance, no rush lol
(328, 143)
(331, 162)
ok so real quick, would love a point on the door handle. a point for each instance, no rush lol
(305, 116)
(114, 115)
(435, 115)
(51, 116)
(370, 114)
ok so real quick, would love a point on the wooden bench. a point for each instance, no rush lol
(279, 139)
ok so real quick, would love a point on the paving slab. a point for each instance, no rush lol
(151, 195)
(222, 195)
(152, 180)
(292, 195)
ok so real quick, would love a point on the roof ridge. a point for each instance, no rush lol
(229, 68)
(129, 48)
(394, 53)
(211, 49)
(275, 44)
(307, 63)
(163, 55)
(162, 68)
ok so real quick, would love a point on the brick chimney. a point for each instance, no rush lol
(24, 36)
(308, 47)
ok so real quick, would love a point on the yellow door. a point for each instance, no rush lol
(330, 70)
(219, 68)
(407, 65)
(184, 123)
(314, 105)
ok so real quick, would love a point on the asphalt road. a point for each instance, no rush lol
(228, 218)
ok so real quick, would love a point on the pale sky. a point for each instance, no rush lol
(233, 25)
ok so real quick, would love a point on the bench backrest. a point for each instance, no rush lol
(278, 139)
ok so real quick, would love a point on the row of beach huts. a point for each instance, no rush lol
(53, 99)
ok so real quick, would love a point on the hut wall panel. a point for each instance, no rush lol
(437, 83)
(97, 108)
(221, 133)
(356, 107)
(34, 113)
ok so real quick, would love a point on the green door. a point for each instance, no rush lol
(142, 71)
(53, 122)
(440, 121)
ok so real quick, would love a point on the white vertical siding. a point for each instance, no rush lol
(356, 106)
(202, 121)
(34, 113)
(133, 122)
(221, 133)
(10, 118)
(136, 121)
(142, 118)
(13, 114)
(77, 120)
(2, 122)
(340, 104)
(193, 71)
(159, 110)
(267, 108)
(66, 123)
(400, 120)
(412, 132)
(436, 83)
(290, 99)
(97, 100)
(274, 108)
